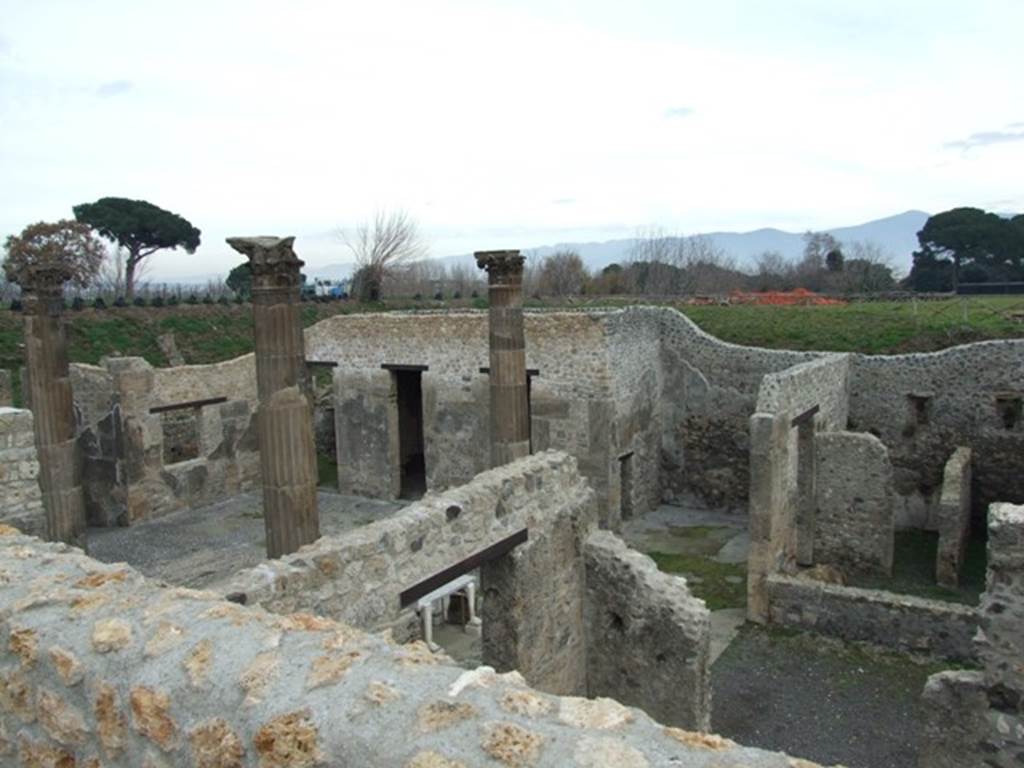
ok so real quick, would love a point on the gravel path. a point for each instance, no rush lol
(819, 699)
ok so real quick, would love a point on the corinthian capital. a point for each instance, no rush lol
(272, 260)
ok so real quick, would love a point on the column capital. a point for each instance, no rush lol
(42, 286)
(272, 260)
(501, 266)
(44, 277)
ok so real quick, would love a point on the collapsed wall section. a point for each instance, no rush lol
(648, 638)
(21, 500)
(99, 666)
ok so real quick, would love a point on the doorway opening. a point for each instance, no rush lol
(409, 395)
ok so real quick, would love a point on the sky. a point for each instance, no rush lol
(501, 124)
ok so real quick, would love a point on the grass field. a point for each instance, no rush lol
(207, 334)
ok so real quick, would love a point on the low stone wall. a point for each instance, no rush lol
(21, 501)
(648, 638)
(853, 526)
(99, 666)
(905, 623)
(954, 517)
(536, 591)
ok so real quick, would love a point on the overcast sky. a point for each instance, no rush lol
(508, 124)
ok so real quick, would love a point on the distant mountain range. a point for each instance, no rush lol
(895, 235)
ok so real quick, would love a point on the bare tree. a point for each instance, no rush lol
(676, 265)
(379, 247)
(562, 274)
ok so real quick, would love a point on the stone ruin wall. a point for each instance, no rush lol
(633, 437)
(21, 501)
(853, 503)
(710, 391)
(642, 380)
(907, 624)
(101, 667)
(541, 601)
(962, 388)
(571, 402)
(976, 717)
(356, 577)
(782, 465)
(648, 638)
(954, 518)
(128, 472)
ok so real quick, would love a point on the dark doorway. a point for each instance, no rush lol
(409, 393)
(626, 486)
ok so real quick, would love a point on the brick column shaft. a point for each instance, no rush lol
(49, 397)
(510, 418)
(285, 417)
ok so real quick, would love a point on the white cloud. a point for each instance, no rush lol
(485, 119)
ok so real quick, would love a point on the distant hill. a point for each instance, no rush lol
(896, 235)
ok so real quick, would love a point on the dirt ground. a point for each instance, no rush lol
(819, 699)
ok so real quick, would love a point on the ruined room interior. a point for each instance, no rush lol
(478, 578)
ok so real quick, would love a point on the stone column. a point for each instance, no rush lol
(285, 415)
(49, 396)
(510, 418)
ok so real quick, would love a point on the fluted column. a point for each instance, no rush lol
(510, 418)
(285, 416)
(49, 397)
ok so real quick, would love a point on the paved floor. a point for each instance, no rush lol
(203, 547)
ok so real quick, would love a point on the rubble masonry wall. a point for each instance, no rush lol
(126, 476)
(853, 526)
(781, 477)
(960, 391)
(21, 500)
(648, 638)
(356, 577)
(902, 622)
(99, 666)
(954, 518)
(977, 717)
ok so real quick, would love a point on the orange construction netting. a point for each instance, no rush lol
(798, 297)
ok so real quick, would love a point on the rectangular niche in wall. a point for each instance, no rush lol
(1008, 407)
(919, 406)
